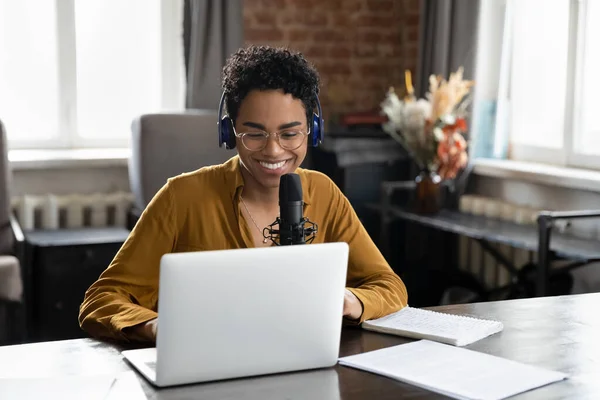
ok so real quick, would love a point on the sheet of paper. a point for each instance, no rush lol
(453, 371)
(57, 388)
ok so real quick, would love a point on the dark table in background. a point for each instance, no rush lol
(59, 266)
(558, 333)
(549, 245)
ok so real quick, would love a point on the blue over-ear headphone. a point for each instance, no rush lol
(227, 137)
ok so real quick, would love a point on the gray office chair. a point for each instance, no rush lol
(11, 256)
(168, 144)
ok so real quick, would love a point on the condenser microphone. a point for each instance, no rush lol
(292, 229)
(290, 210)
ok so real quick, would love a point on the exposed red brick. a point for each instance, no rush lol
(370, 37)
(412, 34)
(276, 5)
(412, 53)
(340, 52)
(327, 35)
(376, 69)
(299, 46)
(338, 68)
(248, 19)
(351, 6)
(306, 4)
(315, 19)
(342, 20)
(263, 34)
(360, 47)
(366, 50)
(411, 20)
(412, 5)
(392, 38)
(385, 49)
(298, 35)
(315, 52)
(287, 20)
(376, 21)
(294, 19)
(265, 18)
(321, 6)
(380, 5)
(252, 5)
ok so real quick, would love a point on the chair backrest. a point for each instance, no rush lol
(168, 144)
(6, 235)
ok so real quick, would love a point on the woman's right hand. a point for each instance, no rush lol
(151, 328)
(146, 331)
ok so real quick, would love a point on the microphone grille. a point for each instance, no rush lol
(290, 188)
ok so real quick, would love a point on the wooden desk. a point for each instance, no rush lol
(559, 333)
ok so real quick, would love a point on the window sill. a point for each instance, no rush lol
(572, 178)
(68, 158)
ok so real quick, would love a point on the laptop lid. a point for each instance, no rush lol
(245, 312)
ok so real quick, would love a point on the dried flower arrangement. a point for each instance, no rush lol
(432, 129)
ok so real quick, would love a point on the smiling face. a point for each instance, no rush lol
(270, 111)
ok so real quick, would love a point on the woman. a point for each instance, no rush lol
(270, 95)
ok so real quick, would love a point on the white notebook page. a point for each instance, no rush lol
(453, 371)
(460, 330)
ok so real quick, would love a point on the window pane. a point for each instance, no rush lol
(588, 140)
(118, 65)
(29, 94)
(539, 71)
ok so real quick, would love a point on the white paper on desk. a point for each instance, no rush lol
(57, 388)
(453, 371)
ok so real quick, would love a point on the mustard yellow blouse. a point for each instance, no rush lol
(199, 211)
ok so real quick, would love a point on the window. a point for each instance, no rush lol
(552, 94)
(75, 73)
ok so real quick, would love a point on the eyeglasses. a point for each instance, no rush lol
(257, 140)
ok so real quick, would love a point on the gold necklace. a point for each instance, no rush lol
(252, 218)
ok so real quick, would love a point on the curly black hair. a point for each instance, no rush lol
(264, 68)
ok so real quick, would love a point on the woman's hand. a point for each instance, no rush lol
(353, 308)
(146, 331)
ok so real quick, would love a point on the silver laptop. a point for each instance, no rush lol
(246, 312)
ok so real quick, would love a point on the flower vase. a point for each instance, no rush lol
(428, 198)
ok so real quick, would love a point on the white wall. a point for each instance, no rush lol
(70, 180)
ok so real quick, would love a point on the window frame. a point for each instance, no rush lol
(566, 155)
(172, 79)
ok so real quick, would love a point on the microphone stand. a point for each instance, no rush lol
(308, 233)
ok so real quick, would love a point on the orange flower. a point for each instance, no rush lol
(452, 155)
(460, 125)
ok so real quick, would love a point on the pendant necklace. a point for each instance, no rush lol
(252, 218)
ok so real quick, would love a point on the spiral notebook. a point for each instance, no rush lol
(417, 323)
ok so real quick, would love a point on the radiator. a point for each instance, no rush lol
(51, 211)
(474, 259)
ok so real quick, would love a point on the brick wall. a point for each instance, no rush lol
(360, 47)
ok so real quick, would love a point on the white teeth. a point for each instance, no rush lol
(272, 166)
